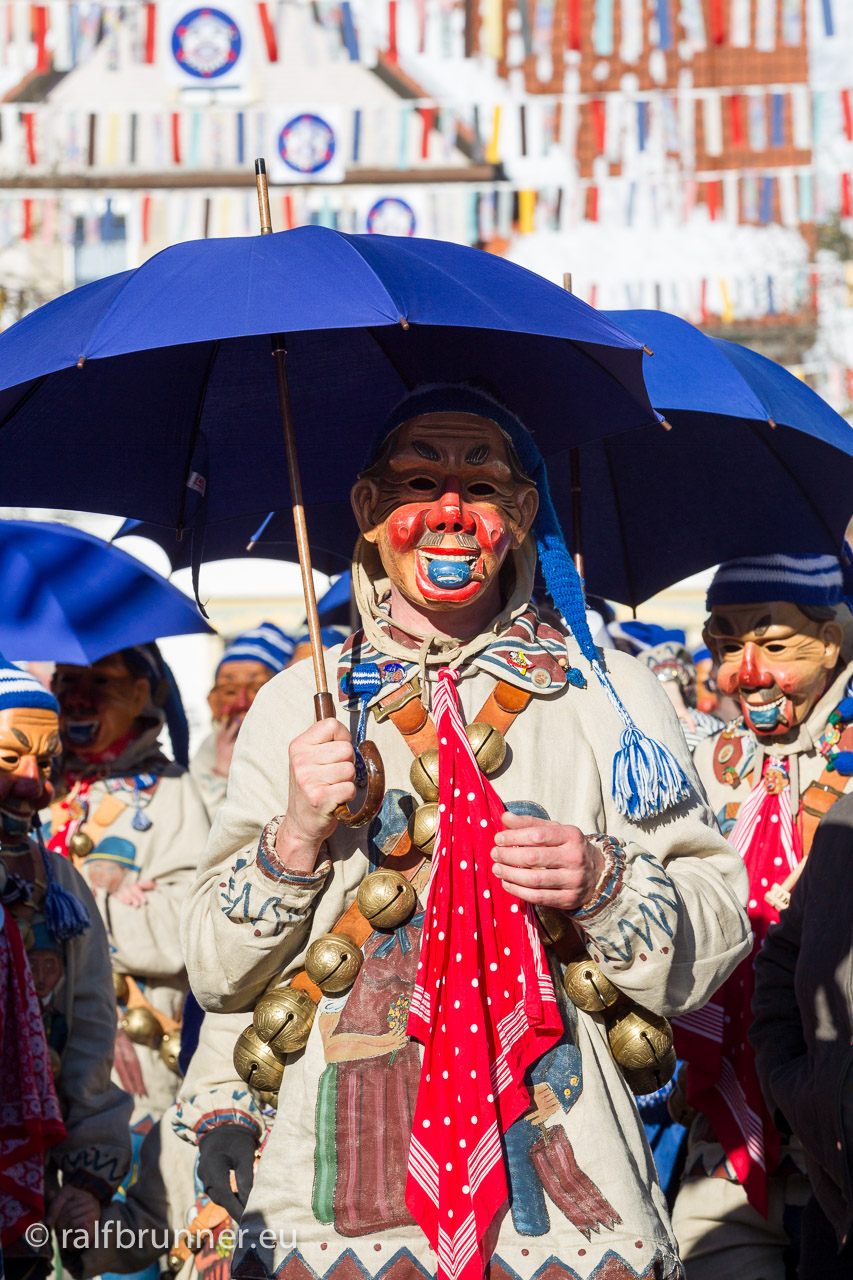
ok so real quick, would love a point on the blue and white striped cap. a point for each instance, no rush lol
(19, 689)
(267, 644)
(808, 580)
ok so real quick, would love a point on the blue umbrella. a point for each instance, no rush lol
(70, 597)
(338, 596)
(161, 377)
(164, 375)
(755, 462)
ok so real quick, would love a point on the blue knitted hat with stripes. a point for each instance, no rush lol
(647, 778)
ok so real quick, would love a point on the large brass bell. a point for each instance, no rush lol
(80, 845)
(28, 937)
(423, 827)
(423, 775)
(552, 924)
(170, 1048)
(283, 1019)
(120, 987)
(142, 1027)
(641, 1043)
(488, 745)
(386, 899)
(332, 962)
(587, 987)
(256, 1063)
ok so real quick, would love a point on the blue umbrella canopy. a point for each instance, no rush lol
(756, 462)
(163, 375)
(70, 597)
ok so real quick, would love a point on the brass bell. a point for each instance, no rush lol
(649, 1080)
(386, 899)
(120, 987)
(55, 1063)
(423, 826)
(80, 845)
(641, 1043)
(333, 962)
(256, 1063)
(141, 1026)
(423, 775)
(27, 935)
(283, 1019)
(170, 1048)
(552, 924)
(175, 1261)
(587, 987)
(269, 1097)
(488, 745)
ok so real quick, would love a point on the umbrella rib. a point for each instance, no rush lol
(393, 363)
(791, 476)
(214, 352)
(620, 520)
(23, 400)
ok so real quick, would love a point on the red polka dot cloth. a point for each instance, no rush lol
(483, 1007)
(722, 1081)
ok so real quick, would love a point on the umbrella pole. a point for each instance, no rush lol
(575, 480)
(324, 706)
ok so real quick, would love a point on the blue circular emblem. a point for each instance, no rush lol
(206, 43)
(306, 143)
(391, 216)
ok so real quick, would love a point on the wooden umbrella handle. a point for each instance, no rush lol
(324, 709)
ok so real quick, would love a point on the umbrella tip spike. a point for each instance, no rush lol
(667, 426)
(81, 362)
(648, 351)
(260, 166)
(771, 422)
(404, 322)
(250, 545)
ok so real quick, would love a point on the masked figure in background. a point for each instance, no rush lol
(380, 1158)
(246, 665)
(783, 644)
(672, 664)
(60, 1114)
(130, 819)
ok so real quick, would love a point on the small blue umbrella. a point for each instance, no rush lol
(70, 597)
(755, 462)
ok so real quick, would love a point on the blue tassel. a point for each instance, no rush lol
(843, 763)
(65, 915)
(646, 776)
(576, 678)
(363, 682)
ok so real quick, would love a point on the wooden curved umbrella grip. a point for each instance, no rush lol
(324, 709)
(375, 789)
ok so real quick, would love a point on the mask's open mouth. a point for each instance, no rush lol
(450, 569)
(81, 733)
(766, 715)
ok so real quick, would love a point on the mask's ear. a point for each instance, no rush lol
(363, 497)
(528, 506)
(711, 642)
(832, 637)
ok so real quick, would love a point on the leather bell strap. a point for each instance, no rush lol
(819, 797)
(406, 711)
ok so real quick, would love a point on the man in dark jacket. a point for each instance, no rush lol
(803, 1038)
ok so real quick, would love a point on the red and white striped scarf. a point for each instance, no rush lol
(483, 1007)
(722, 1081)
